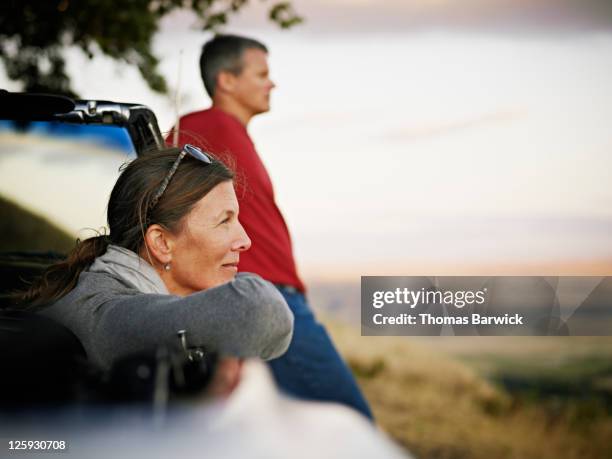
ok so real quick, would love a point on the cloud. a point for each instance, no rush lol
(440, 128)
(350, 16)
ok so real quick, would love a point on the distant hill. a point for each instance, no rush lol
(21, 230)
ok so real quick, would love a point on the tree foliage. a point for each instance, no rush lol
(34, 34)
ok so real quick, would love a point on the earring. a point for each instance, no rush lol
(167, 266)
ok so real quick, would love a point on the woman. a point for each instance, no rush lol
(168, 265)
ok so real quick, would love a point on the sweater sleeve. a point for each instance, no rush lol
(246, 317)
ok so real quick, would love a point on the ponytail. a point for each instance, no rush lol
(129, 213)
(59, 279)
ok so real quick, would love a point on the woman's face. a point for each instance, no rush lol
(206, 251)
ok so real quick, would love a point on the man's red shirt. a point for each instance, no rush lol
(271, 254)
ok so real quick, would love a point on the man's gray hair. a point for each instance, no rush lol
(224, 53)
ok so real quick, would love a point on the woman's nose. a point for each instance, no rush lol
(243, 242)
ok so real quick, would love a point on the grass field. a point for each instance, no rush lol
(488, 397)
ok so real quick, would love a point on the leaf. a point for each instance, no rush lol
(42, 30)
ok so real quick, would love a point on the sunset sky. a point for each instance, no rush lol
(436, 132)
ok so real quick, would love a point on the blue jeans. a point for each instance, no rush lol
(312, 369)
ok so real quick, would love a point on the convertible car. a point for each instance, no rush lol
(58, 161)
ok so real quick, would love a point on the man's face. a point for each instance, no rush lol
(252, 86)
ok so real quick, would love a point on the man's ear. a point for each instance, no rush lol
(226, 81)
(159, 244)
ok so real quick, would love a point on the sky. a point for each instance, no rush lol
(422, 134)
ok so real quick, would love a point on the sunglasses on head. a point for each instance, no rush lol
(188, 149)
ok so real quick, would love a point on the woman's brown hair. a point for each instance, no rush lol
(130, 212)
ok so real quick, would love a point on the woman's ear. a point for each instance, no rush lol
(159, 244)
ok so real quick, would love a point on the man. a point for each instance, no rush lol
(236, 76)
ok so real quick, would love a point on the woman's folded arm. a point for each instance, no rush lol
(246, 317)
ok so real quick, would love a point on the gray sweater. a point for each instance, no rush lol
(120, 306)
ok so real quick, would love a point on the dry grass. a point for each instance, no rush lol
(438, 407)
